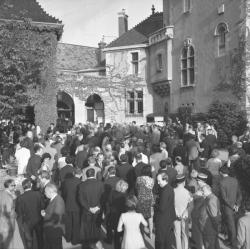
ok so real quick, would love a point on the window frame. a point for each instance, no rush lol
(135, 63)
(187, 6)
(188, 66)
(221, 48)
(159, 62)
(135, 100)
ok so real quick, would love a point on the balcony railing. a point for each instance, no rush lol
(161, 34)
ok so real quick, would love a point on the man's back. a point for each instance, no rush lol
(29, 206)
(69, 190)
(90, 193)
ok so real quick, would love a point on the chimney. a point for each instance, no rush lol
(122, 22)
(101, 45)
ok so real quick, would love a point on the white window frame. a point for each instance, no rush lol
(135, 100)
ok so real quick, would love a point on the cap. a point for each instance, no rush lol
(180, 178)
(202, 177)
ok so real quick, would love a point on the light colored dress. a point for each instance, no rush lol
(132, 238)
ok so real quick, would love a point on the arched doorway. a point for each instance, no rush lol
(65, 110)
(95, 108)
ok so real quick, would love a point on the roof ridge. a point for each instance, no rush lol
(67, 43)
(156, 13)
(45, 12)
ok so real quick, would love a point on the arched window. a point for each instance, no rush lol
(221, 34)
(187, 66)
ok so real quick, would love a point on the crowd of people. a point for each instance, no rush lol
(172, 183)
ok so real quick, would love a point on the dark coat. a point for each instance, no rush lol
(69, 190)
(164, 217)
(82, 159)
(29, 206)
(54, 217)
(34, 164)
(66, 172)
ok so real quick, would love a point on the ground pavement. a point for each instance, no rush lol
(149, 243)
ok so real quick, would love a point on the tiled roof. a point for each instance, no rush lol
(76, 57)
(141, 32)
(19, 9)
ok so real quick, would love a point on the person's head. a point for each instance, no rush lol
(239, 145)
(29, 134)
(50, 190)
(46, 157)
(224, 170)
(96, 151)
(69, 160)
(24, 144)
(215, 153)
(202, 179)
(138, 157)
(90, 173)
(163, 146)
(26, 184)
(121, 186)
(194, 173)
(234, 139)
(10, 185)
(108, 148)
(100, 157)
(180, 179)
(178, 160)
(78, 172)
(112, 171)
(91, 161)
(131, 203)
(44, 177)
(146, 171)
(162, 179)
(169, 162)
(38, 149)
(123, 158)
(163, 164)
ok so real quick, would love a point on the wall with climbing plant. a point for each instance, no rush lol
(27, 68)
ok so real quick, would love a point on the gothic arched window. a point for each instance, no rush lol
(187, 66)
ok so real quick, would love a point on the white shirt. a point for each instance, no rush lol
(182, 199)
(22, 157)
(144, 160)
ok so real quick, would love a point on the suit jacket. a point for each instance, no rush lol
(165, 209)
(230, 192)
(66, 172)
(90, 194)
(109, 186)
(124, 171)
(55, 212)
(69, 190)
(82, 159)
(34, 164)
(29, 206)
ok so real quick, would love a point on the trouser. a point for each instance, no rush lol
(196, 234)
(52, 238)
(211, 241)
(230, 225)
(164, 238)
(26, 233)
(181, 234)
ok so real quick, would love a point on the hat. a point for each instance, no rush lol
(180, 178)
(202, 177)
(224, 169)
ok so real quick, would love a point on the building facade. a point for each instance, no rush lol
(209, 52)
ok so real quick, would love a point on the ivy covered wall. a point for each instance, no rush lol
(28, 70)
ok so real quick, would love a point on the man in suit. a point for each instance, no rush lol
(69, 190)
(109, 186)
(90, 195)
(29, 219)
(53, 215)
(230, 199)
(34, 163)
(166, 166)
(164, 214)
(139, 165)
(67, 170)
(210, 218)
(126, 171)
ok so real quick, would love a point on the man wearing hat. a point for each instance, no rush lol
(183, 199)
(202, 179)
(230, 199)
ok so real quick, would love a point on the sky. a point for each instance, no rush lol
(87, 21)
